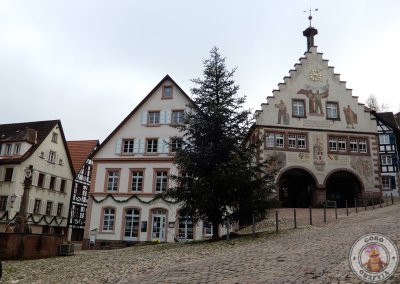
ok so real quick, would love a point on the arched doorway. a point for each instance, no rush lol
(296, 188)
(342, 186)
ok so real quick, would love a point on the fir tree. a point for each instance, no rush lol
(219, 179)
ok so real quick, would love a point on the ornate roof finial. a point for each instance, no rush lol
(310, 15)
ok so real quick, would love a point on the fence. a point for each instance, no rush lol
(289, 218)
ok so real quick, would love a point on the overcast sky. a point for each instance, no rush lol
(90, 62)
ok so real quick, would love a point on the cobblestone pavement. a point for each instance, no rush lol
(312, 254)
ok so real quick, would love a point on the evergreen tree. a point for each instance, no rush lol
(219, 175)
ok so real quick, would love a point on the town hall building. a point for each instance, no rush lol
(323, 141)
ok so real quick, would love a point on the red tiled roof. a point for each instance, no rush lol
(80, 151)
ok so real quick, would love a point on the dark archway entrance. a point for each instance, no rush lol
(342, 186)
(296, 188)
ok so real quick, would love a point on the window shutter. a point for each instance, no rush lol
(2, 173)
(141, 146)
(136, 143)
(15, 174)
(160, 145)
(144, 118)
(46, 183)
(35, 177)
(163, 117)
(118, 146)
(54, 209)
(43, 207)
(393, 182)
(168, 117)
(394, 160)
(8, 206)
(58, 184)
(30, 205)
(392, 139)
(165, 145)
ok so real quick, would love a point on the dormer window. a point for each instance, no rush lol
(54, 137)
(167, 92)
(7, 151)
(17, 149)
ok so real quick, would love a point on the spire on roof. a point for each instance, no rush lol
(310, 32)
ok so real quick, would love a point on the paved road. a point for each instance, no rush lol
(316, 254)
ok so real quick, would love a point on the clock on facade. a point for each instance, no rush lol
(315, 74)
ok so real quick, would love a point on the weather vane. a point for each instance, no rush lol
(310, 16)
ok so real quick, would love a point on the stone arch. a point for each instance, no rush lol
(343, 184)
(296, 187)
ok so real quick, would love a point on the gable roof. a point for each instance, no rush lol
(80, 152)
(166, 78)
(24, 132)
(388, 119)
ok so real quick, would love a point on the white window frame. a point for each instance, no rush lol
(332, 144)
(292, 143)
(112, 180)
(342, 144)
(152, 145)
(185, 228)
(128, 146)
(332, 110)
(207, 229)
(362, 145)
(154, 118)
(178, 116)
(161, 181)
(17, 148)
(108, 219)
(270, 139)
(8, 150)
(176, 144)
(300, 139)
(384, 139)
(137, 180)
(52, 157)
(3, 202)
(353, 145)
(386, 182)
(279, 140)
(298, 108)
(37, 206)
(386, 160)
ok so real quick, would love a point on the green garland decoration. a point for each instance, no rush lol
(158, 196)
(32, 219)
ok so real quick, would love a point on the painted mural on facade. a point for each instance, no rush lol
(363, 166)
(315, 98)
(351, 116)
(277, 160)
(318, 152)
(282, 113)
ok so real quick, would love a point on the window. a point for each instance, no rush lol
(385, 182)
(52, 157)
(279, 140)
(17, 149)
(153, 118)
(301, 141)
(270, 140)
(52, 183)
(207, 229)
(77, 212)
(161, 181)
(353, 145)
(167, 92)
(298, 108)
(178, 116)
(342, 144)
(79, 189)
(386, 160)
(49, 207)
(384, 139)
(108, 219)
(185, 228)
(137, 180)
(112, 180)
(40, 180)
(332, 110)
(152, 145)
(59, 209)
(9, 174)
(292, 141)
(3, 203)
(176, 144)
(36, 207)
(54, 137)
(128, 146)
(62, 185)
(8, 150)
(332, 144)
(362, 145)
(132, 217)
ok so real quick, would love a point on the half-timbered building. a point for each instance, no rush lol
(389, 135)
(80, 154)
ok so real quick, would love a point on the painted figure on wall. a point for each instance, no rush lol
(363, 166)
(282, 113)
(318, 153)
(314, 100)
(351, 116)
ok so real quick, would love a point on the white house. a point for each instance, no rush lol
(132, 166)
(41, 145)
